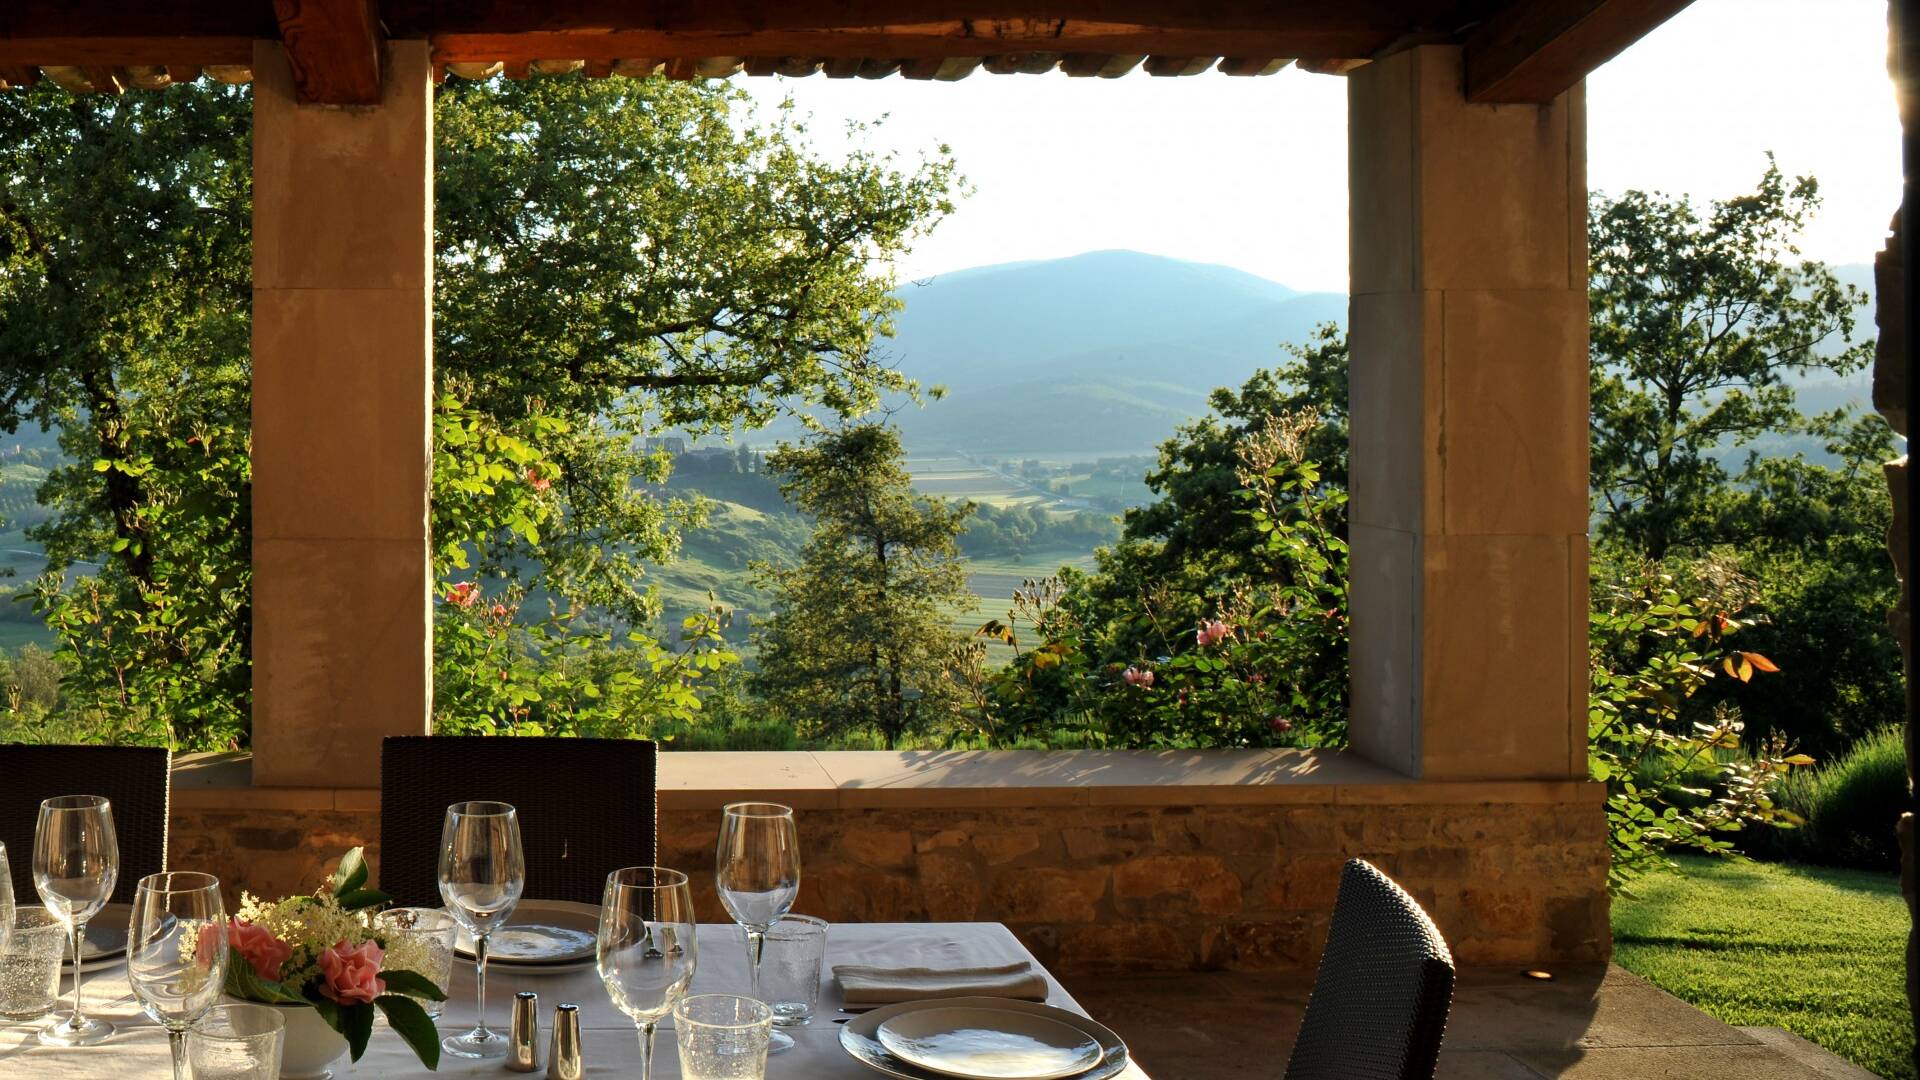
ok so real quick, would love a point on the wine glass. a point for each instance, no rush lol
(757, 870)
(6, 898)
(76, 862)
(177, 953)
(646, 949)
(482, 870)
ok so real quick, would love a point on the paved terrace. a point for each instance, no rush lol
(1592, 1022)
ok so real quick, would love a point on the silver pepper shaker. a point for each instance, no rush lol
(523, 1042)
(563, 1057)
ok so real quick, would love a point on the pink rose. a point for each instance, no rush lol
(352, 975)
(261, 950)
(1139, 677)
(540, 483)
(463, 595)
(1211, 632)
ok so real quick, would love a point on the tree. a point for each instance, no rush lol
(856, 640)
(1698, 324)
(627, 255)
(125, 281)
(612, 256)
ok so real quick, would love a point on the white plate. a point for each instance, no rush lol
(859, 1037)
(106, 942)
(541, 936)
(979, 1043)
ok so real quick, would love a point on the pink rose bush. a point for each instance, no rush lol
(1211, 632)
(1141, 678)
(463, 595)
(352, 973)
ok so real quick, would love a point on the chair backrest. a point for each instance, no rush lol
(587, 808)
(137, 780)
(1380, 1000)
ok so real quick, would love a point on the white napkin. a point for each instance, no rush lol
(883, 985)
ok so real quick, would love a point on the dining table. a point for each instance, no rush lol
(610, 1045)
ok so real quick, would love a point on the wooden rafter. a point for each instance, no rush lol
(1536, 50)
(334, 48)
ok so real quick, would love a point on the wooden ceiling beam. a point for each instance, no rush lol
(1532, 51)
(334, 48)
(912, 42)
(125, 51)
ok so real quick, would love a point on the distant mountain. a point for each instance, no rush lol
(1098, 353)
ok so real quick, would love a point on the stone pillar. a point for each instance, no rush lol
(1469, 425)
(342, 382)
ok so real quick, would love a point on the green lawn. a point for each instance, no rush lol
(1817, 951)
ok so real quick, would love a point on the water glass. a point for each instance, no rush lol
(76, 863)
(722, 1037)
(427, 934)
(6, 898)
(757, 873)
(482, 872)
(790, 962)
(238, 1042)
(30, 964)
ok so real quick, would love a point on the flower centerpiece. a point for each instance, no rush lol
(323, 952)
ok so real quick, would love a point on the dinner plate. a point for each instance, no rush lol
(989, 1043)
(859, 1037)
(542, 936)
(106, 940)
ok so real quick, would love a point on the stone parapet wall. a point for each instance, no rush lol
(1171, 876)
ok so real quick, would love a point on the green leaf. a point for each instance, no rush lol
(412, 982)
(243, 982)
(410, 1022)
(361, 899)
(356, 1023)
(352, 872)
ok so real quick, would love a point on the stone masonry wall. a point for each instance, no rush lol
(1099, 887)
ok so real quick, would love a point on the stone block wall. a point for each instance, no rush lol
(1514, 877)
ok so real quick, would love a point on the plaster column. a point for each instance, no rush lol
(1469, 425)
(342, 381)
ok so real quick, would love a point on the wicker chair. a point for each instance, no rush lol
(135, 779)
(587, 808)
(1380, 1000)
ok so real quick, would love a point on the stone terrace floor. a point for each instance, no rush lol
(1593, 1023)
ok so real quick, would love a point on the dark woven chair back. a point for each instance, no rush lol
(135, 779)
(1380, 1000)
(587, 808)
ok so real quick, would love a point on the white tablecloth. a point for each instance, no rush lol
(138, 1051)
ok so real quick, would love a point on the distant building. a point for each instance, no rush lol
(672, 444)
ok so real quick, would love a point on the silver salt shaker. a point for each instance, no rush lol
(523, 1042)
(563, 1057)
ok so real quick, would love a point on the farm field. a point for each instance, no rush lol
(956, 477)
(993, 582)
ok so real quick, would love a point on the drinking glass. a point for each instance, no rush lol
(757, 870)
(790, 965)
(482, 870)
(646, 951)
(723, 1037)
(76, 862)
(177, 953)
(238, 1042)
(6, 898)
(430, 932)
(30, 965)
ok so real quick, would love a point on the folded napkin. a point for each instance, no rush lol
(884, 986)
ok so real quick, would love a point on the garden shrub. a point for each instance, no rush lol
(1851, 805)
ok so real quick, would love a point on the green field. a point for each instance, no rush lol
(993, 582)
(1817, 951)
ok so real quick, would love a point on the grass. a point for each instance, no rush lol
(1817, 951)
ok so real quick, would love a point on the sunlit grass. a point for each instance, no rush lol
(1818, 951)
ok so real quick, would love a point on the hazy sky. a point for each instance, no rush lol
(1252, 172)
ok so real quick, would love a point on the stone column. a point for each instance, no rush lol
(342, 381)
(1469, 422)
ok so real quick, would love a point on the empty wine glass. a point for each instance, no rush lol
(76, 861)
(757, 870)
(482, 870)
(646, 951)
(177, 953)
